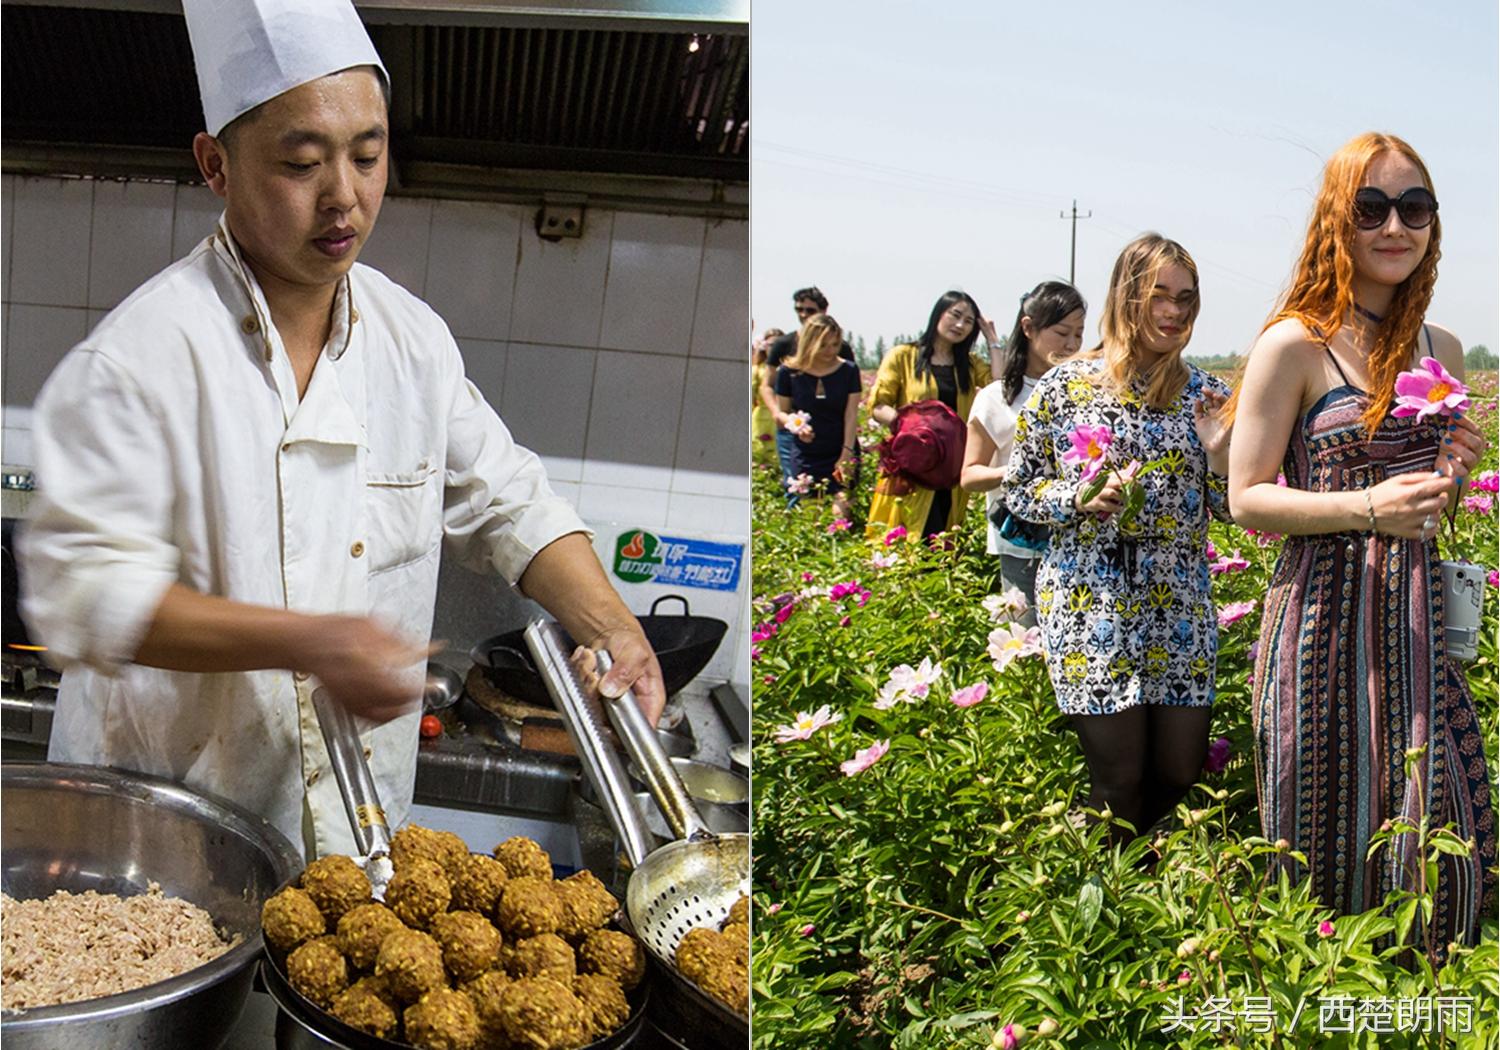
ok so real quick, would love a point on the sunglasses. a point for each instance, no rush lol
(1416, 208)
(805, 311)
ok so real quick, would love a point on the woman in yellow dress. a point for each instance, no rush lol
(762, 425)
(940, 366)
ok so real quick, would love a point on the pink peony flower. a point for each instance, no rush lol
(1479, 503)
(1210, 552)
(806, 724)
(755, 652)
(1007, 644)
(1006, 1038)
(1493, 578)
(898, 533)
(783, 613)
(838, 525)
(801, 485)
(1325, 928)
(807, 577)
(863, 760)
(772, 909)
(883, 561)
(1184, 977)
(844, 621)
(970, 695)
(1428, 390)
(1489, 481)
(768, 679)
(1235, 612)
(1218, 756)
(1228, 563)
(1089, 446)
(807, 930)
(764, 632)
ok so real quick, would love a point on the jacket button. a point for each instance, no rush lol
(358, 549)
(250, 325)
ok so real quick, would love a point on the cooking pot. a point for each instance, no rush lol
(80, 828)
(683, 644)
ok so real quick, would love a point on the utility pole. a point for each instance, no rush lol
(1073, 248)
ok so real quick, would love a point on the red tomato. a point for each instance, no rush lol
(431, 726)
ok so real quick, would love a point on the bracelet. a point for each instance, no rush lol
(1370, 510)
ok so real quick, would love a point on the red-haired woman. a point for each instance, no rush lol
(1353, 673)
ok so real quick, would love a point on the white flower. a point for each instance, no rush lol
(1003, 608)
(1012, 642)
(884, 561)
(796, 421)
(801, 485)
(806, 724)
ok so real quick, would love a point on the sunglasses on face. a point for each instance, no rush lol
(805, 311)
(1416, 208)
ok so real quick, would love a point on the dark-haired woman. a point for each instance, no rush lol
(940, 366)
(1048, 328)
(1354, 673)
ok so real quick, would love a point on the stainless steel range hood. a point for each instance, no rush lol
(638, 103)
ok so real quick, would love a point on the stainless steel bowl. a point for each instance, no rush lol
(81, 828)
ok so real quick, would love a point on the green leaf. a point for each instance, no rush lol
(1090, 900)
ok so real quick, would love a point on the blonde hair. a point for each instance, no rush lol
(814, 330)
(1127, 317)
(1321, 291)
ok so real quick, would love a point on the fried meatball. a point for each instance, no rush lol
(522, 857)
(711, 961)
(443, 847)
(470, 944)
(362, 929)
(541, 1014)
(737, 936)
(290, 918)
(317, 970)
(605, 1007)
(362, 1009)
(545, 955)
(411, 963)
(477, 884)
(379, 987)
(583, 908)
(442, 1020)
(418, 892)
(528, 907)
(485, 991)
(335, 884)
(614, 954)
(739, 912)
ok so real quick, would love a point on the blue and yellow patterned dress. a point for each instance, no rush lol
(1126, 615)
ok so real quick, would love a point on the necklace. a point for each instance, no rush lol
(1369, 315)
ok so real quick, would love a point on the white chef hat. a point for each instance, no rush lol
(249, 51)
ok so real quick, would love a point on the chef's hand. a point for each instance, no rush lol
(633, 667)
(366, 667)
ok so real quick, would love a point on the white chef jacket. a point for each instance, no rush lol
(171, 447)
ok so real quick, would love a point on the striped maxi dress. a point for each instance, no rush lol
(1352, 672)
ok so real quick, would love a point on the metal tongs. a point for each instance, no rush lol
(361, 801)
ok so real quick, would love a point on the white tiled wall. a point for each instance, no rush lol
(617, 356)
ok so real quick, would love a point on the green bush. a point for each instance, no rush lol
(951, 889)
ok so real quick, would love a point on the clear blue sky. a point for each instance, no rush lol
(899, 149)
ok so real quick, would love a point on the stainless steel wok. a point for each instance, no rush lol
(79, 828)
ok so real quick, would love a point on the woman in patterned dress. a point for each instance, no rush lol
(1353, 672)
(1129, 628)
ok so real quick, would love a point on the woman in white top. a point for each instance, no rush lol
(1049, 327)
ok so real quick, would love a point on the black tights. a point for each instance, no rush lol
(1142, 761)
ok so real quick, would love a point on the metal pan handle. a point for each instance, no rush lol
(646, 751)
(600, 763)
(347, 756)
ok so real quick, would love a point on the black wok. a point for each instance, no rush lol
(683, 645)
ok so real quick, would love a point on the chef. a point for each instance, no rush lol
(248, 469)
